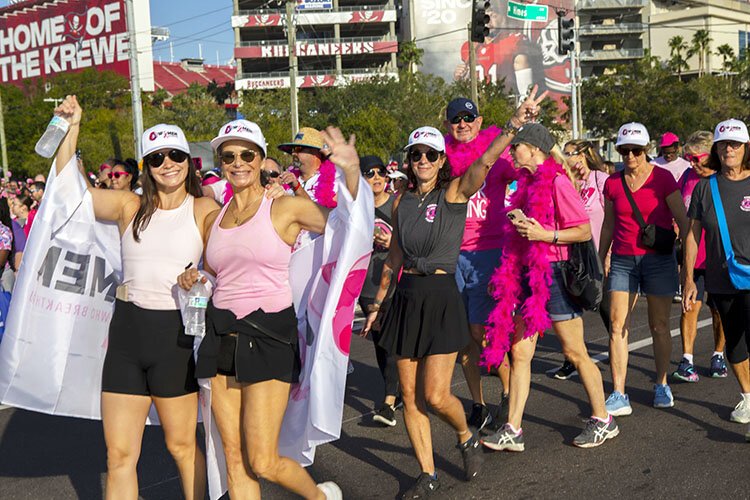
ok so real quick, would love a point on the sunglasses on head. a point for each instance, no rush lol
(227, 158)
(465, 118)
(104, 167)
(155, 160)
(626, 151)
(371, 173)
(431, 155)
(117, 175)
(695, 158)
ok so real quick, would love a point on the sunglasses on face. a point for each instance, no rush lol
(304, 149)
(695, 158)
(247, 156)
(575, 152)
(155, 160)
(431, 155)
(117, 175)
(463, 118)
(272, 174)
(627, 151)
(371, 173)
(733, 144)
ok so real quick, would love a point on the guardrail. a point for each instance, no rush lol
(608, 55)
(611, 29)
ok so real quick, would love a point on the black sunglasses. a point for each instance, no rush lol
(247, 156)
(270, 173)
(155, 160)
(415, 155)
(465, 118)
(626, 151)
(371, 173)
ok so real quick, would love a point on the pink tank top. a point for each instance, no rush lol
(251, 263)
(150, 267)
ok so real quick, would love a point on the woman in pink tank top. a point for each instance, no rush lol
(250, 351)
(149, 358)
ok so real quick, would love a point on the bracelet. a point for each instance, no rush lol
(299, 185)
(509, 128)
(554, 238)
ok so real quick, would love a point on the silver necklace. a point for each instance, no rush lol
(423, 197)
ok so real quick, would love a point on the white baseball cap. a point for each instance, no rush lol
(397, 174)
(429, 136)
(633, 133)
(731, 130)
(243, 130)
(163, 136)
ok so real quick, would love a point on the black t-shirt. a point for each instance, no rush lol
(735, 198)
(383, 224)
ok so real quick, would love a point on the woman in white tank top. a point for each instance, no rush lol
(172, 207)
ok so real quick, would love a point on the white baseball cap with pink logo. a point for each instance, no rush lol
(429, 136)
(731, 130)
(633, 133)
(242, 130)
(163, 136)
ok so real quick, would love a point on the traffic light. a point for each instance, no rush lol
(565, 35)
(480, 20)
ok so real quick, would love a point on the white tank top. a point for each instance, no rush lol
(170, 242)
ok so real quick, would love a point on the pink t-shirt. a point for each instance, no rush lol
(676, 167)
(485, 212)
(687, 184)
(651, 200)
(569, 212)
(592, 194)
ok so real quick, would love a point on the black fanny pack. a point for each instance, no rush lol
(651, 236)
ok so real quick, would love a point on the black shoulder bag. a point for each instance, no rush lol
(652, 236)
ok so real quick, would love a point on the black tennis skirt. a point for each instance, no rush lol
(426, 316)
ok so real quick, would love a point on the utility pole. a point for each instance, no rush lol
(472, 67)
(2, 138)
(135, 83)
(291, 35)
(573, 95)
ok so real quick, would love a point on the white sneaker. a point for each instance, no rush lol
(331, 490)
(741, 413)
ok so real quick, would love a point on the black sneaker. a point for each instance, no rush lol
(386, 415)
(565, 371)
(473, 457)
(499, 417)
(480, 416)
(424, 487)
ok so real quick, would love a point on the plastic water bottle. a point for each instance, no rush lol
(52, 137)
(195, 312)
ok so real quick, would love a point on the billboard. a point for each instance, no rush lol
(522, 53)
(316, 48)
(41, 39)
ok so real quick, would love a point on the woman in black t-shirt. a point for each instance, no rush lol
(730, 157)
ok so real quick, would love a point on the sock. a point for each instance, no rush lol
(605, 420)
(746, 396)
(717, 353)
(689, 357)
(513, 429)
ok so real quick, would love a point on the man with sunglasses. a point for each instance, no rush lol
(307, 157)
(670, 159)
(104, 169)
(482, 240)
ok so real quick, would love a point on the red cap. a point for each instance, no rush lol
(668, 139)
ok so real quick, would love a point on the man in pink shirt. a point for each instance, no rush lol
(670, 159)
(482, 243)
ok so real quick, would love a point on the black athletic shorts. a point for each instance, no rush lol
(148, 353)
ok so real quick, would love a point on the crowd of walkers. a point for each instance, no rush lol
(469, 255)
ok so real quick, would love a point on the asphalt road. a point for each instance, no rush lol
(691, 450)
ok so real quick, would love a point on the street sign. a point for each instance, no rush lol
(525, 12)
(314, 4)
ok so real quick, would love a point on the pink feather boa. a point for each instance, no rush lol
(533, 197)
(461, 155)
(324, 189)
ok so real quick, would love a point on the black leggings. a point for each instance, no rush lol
(386, 362)
(734, 310)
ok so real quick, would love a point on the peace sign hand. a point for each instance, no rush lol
(342, 152)
(529, 108)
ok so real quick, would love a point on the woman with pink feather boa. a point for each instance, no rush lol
(529, 290)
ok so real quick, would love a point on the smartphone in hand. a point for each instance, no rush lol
(516, 215)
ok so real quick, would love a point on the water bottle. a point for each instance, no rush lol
(52, 137)
(195, 312)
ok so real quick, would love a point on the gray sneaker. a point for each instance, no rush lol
(741, 412)
(504, 439)
(596, 432)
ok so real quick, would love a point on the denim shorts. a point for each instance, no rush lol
(652, 274)
(473, 274)
(560, 306)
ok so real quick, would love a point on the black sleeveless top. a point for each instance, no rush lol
(430, 231)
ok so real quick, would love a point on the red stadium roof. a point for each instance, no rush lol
(177, 77)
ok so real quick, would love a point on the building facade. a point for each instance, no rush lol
(338, 41)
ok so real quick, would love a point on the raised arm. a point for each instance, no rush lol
(464, 187)
(344, 156)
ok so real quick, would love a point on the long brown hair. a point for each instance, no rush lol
(593, 158)
(443, 178)
(150, 196)
(714, 163)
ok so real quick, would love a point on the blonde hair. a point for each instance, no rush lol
(586, 148)
(700, 141)
(560, 158)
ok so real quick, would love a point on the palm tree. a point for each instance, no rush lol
(677, 63)
(701, 46)
(726, 52)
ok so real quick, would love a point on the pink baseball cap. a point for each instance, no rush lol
(668, 139)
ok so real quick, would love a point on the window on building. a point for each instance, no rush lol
(743, 45)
